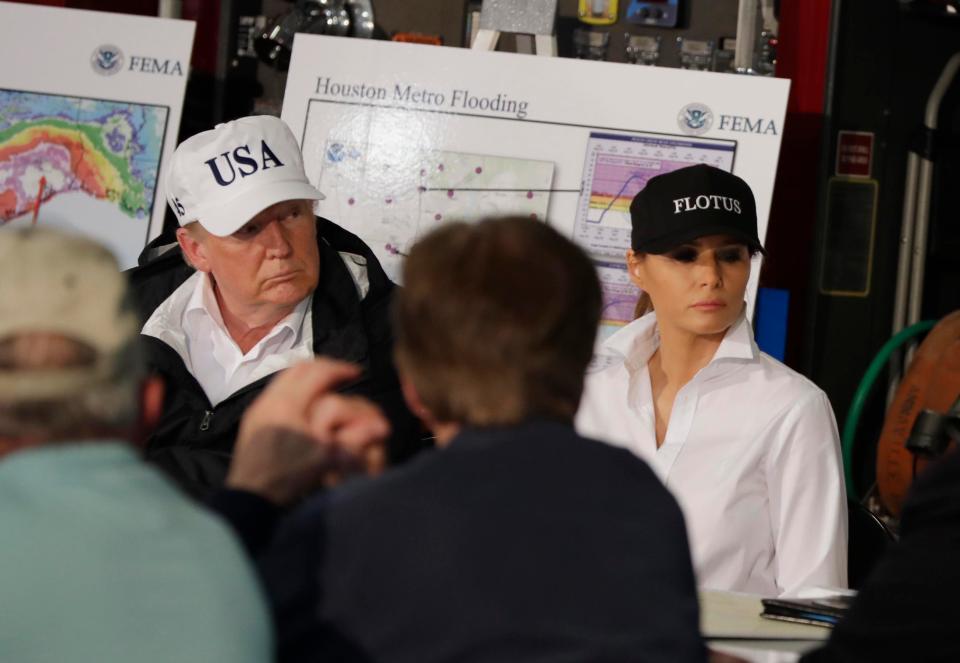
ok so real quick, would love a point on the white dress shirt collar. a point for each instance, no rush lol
(203, 304)
(638, 341)
(190, 322)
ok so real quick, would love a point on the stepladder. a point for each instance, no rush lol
(531, 21)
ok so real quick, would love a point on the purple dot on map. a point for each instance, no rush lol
(478, 170)
(351, 201)
(422, 172)
(440, 166)
(437, 216)
(422, 188)
(449, 193)
(529, 194)
(389, 200)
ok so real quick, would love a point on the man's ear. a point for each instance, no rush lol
(151, 407)
(193, 250)
(415, 403)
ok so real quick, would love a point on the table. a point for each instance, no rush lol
(731, 623)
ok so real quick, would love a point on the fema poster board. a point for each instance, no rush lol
(403, 137)
(89, 112)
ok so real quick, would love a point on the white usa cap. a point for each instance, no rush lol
(226, 176)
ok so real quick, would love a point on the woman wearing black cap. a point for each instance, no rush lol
(748, 446)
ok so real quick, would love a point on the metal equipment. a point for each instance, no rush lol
(590, 44)
(696, 53)
(353, 18)
(656, 13)
(597, 12)
(642, 49)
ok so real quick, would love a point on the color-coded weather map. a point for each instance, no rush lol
(63, 152)
(391, 198)
(617, 167)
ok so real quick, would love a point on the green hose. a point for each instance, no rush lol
(863, 391)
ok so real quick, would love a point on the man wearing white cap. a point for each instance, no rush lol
(102, 558)
(256, 284)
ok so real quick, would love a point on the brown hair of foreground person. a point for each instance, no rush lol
(496, 322)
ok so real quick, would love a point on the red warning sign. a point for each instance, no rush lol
(854, 153)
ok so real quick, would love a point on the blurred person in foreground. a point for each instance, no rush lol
(103, 559)
(254, 284)
(907, 609)
(517, 540)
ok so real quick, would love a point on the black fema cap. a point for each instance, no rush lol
(682, 205)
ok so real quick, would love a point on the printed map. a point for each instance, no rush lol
(391, 199)
(53, 145)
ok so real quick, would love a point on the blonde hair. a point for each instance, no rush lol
(644, 305)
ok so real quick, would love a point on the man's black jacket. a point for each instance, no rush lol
(194, 440)
(909, 607)
(525, 543)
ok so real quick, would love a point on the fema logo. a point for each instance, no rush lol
(106, 60)
(695, 119)
(336, 153)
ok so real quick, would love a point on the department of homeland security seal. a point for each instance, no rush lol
(695, 119)
(106, 60)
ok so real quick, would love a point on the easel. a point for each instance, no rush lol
(532, 21)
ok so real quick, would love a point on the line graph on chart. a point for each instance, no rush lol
(617, 167)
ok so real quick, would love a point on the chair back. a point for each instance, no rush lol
(868, 540)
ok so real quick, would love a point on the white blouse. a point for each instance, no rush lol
(751, 453)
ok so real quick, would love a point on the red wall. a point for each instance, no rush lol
(801, 57)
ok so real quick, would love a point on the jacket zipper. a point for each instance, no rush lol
(205, 422)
